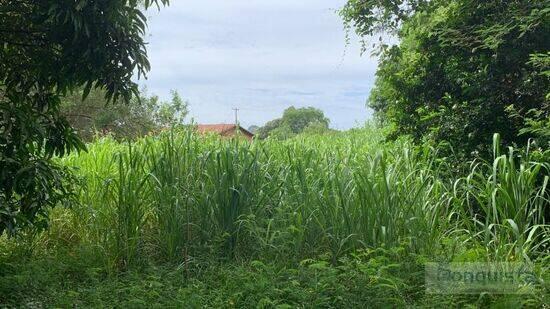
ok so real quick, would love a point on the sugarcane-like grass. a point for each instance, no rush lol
(180, 197)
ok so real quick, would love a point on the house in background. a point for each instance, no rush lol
(225, 130)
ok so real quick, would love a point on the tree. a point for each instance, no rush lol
(460, 68)
(317, 128)
(281, 133)
(297, 119)
(294, 121)
(253, 129)
(47, 50)
(173, 113)
(271, 125)
(145, 114)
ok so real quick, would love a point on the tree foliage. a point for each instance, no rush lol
(369, 17)
(47, 50)
(253, 129)
(294, 121)
(145, 114)
(461, 66)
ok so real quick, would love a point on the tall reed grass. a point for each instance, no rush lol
(178, 196)
(503, 205)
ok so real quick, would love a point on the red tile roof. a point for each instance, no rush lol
(221, 128)
(218, 128)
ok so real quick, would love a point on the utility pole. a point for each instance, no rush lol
(236, 116)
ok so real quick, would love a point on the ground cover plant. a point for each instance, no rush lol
(320, 221)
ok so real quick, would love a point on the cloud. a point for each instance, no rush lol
(261, 56)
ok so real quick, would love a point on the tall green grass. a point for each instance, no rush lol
(178, 197)
(503, 204)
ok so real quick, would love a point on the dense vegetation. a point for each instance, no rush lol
(293, 122)
(333, 220)
(145, 114)
(457, 171)
(49, 49)
(463, 70)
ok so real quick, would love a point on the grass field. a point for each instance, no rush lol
(338, 220)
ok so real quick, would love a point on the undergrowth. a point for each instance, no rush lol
(340, 220)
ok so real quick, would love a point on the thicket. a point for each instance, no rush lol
(205, 203)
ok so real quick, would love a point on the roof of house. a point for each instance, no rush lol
(221, 128)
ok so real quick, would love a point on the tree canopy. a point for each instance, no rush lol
(462, 70)
(47, 50)
(294, 121)
(145, 114)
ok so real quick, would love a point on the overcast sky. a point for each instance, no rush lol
(261, 56)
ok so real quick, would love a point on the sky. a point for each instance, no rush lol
(260, 56)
